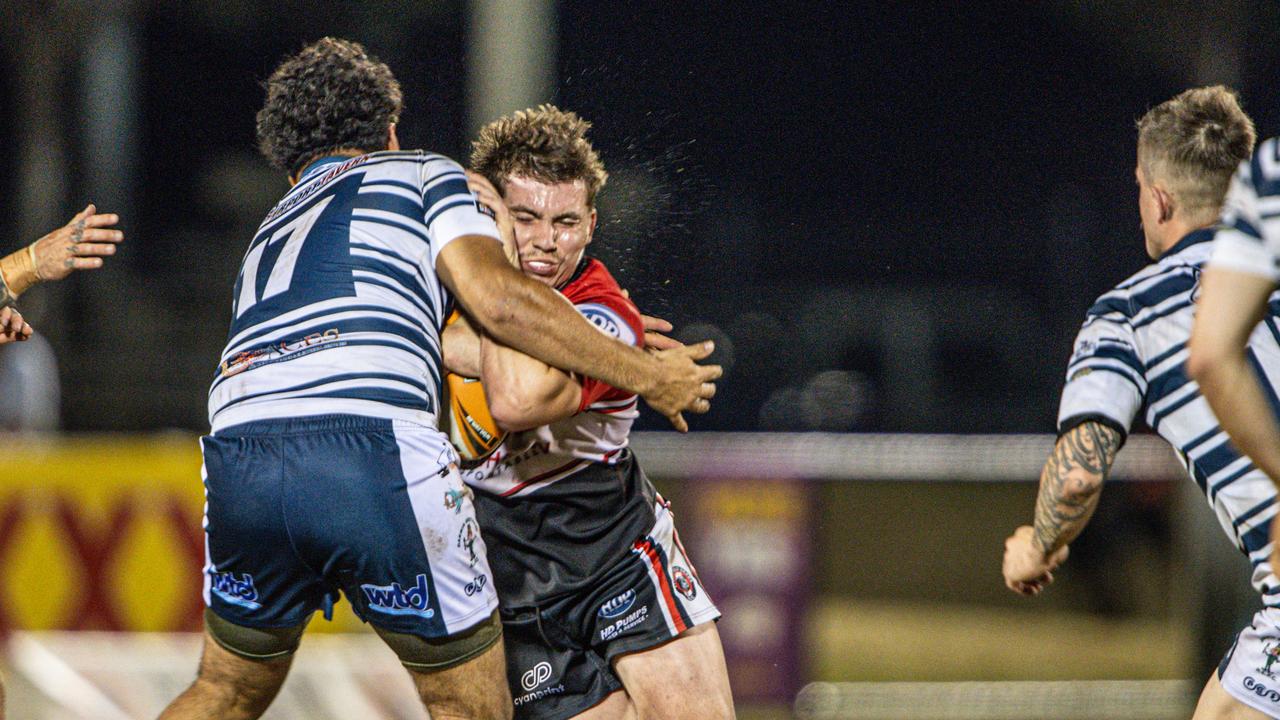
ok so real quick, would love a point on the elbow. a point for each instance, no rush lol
(513, 414)
(1205, 362)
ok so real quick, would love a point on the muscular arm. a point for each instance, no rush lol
(1070, 485)
(522, 392)
(1230, 306)
(534, 319)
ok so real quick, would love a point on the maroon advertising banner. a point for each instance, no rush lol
(752, 542)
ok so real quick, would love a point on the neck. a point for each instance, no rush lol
(341, 152)
(1178, 228)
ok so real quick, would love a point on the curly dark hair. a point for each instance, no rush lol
(330, 96)
(543, 143)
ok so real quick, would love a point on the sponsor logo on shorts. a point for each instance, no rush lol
(618, 606)
(467, 538)
(684, 582)
(532, 679)
(235, 590)
(609, 632)
(1272, 653)
(476, 585)
(395, 599)
(1260, 690)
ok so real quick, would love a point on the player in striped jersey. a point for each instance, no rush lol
(604, 614)
(1131, 354)
(325, 471)
(1237, 293)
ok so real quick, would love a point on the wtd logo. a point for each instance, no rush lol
(235, 590)
(618, 605)
(394, 599)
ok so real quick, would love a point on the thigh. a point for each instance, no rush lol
(684, 678)
(1248, 680)
(475, 689)
(1216, 704)
(615, 707)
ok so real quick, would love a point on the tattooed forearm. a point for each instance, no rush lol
(1072, 481)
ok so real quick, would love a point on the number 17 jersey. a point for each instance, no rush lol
(338, 308)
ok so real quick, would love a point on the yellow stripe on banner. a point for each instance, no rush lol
(103, 532)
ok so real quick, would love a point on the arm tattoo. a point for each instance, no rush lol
(1072, 481)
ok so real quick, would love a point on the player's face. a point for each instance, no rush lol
(553, 226)
(1149, 210)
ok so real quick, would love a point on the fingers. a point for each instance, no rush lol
(103, 220)
(102, 236)
(92, 249)
(658, 341)
(677, 421)
(707, 373)
(655, 324)
(85, 263)
(84, 214)
(707, 391)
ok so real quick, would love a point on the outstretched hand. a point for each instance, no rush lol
(79, 245)
(683, 384)
(12, 327)
(1027, 570)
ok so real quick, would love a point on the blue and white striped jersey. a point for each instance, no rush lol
(1249, 239)
(1132, 352)
(338, 307)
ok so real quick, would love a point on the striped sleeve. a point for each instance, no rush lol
(450, 209)
(1105, 379)
(1248, 239)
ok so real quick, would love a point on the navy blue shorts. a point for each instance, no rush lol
(300, 509)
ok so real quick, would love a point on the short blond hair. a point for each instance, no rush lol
(543, 143)
(1193, 144)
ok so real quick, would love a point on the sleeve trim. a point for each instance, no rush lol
(1076, 421)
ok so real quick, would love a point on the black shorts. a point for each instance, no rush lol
(560, 655)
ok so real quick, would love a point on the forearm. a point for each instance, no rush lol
(534, 319)
(1071, 483)
(460, 347)
(525, 392)
(1237, 400)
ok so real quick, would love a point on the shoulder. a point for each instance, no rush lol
(597, 295)
(1151, 287)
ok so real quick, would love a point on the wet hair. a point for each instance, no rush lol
(543, 143)
(331, 96)
(1193, 144)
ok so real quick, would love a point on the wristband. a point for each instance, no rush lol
(19, 270)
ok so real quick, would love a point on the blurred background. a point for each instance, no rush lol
(890, 216)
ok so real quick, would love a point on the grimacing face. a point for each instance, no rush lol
(553, 226)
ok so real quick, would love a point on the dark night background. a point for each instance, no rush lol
(891, 215)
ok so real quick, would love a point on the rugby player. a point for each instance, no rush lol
(604, 615)
(81, 244)
(1237, 286)
(325, 470)
(1131, 353)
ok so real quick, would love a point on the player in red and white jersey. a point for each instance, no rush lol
(603, 613)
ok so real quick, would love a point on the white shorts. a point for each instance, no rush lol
(1250, 671)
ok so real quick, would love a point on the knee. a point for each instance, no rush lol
(478, 709)
(240, 693)
(705, 707)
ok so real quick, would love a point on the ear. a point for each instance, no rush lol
(393, 142)
(1164, 201)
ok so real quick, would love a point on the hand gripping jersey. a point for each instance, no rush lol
(338, 307)
(558, 504)
(1249, 239)
(1131, 354)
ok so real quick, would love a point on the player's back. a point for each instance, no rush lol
(337, 308)
(1131, 354)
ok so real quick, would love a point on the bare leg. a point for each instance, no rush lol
(615, 707)
(229, 687)
(474, 690)
(685, 679)
(1216, 704)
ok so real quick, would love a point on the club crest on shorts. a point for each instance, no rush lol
(684, 582)
(396, 599)
(467, 538)
(1271, 652)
